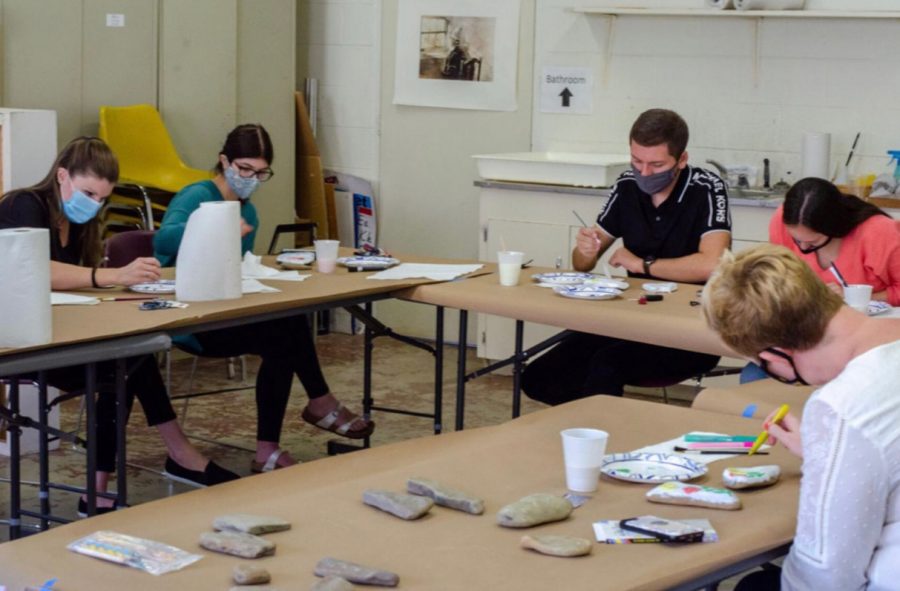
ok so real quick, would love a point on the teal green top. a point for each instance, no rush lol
(184, 203)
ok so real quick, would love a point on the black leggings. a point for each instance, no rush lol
(287, 349)
(143, 380)
(582, 365)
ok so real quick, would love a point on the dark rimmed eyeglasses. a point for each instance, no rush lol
(247, 172)
(797, 379)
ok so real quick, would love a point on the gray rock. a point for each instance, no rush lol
(255, 588)
(237, 544)
(534, 510)
(356, 573)
(558, 545)
(249, 574)
(402, 505)
(250, 524)
(332, 584)
(445, 496)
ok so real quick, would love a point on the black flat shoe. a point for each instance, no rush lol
(212, 474)
(83, 509)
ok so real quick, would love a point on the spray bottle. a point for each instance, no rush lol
(895, 158)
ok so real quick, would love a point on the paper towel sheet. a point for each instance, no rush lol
(720, 4)
(25, 287)
(426, 271)
(769, 4)
(815, 155)
(58, 298)
(254, 286)
(252, 268)
(209, 258)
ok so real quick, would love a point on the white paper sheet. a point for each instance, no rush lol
(252, 268)
(70, 299)
(425, 271)
(254, 286)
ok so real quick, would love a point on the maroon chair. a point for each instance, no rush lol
(122, 248)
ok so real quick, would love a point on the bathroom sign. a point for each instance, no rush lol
(567, 90)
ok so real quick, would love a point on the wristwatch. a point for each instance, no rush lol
(648, 260)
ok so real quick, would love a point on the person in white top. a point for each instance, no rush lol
(769, 306)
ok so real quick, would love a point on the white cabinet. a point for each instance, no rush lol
(750, 224)
(28, 149)
(538, 221)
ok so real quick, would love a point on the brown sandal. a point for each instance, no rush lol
(330, 423)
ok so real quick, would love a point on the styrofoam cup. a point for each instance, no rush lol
(510, 263)
(326, 255)
(583, 451)
(857, 296)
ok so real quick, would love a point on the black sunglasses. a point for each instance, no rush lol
(765, 367)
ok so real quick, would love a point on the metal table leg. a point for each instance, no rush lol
(461, 370)
(438, 370)
(15, 466)
(121, 426)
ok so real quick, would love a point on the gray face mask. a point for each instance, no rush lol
(654, 183)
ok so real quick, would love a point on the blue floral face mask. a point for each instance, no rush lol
(80, 209)
(242, 187)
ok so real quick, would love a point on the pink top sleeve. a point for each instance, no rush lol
(869, 254)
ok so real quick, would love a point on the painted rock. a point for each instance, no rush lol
(752, 477)
(679, 493)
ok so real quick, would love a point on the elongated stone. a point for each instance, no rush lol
(250, 574)
(534, 510)
(445, 496)
(558, 545)
(250, 524)
(237, 544)
(402, 505)
(356, 573)
(332, 583)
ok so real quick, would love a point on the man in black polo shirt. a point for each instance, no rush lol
(674, 224)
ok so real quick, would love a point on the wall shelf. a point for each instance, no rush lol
(699, 12)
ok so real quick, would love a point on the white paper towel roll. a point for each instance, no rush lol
(815, 155)
(209, 258)
(25, 287)
(769, 4)
(720, 4)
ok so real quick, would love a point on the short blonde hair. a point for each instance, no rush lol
(767, 297)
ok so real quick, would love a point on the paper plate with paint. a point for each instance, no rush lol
(562, 278)
(607, 282)
(368, 262)
(878, 307)
(155, 287)
(587, 292)
(296, 258)
(651, 467)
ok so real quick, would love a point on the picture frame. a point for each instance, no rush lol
(458, 54)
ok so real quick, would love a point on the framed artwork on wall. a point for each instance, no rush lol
(459, 54)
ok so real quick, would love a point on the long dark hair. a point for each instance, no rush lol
(250, 140)
(82, 156)
(821, 207)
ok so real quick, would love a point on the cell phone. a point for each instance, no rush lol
(664, 529)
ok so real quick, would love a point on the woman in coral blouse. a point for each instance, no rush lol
(825, 228)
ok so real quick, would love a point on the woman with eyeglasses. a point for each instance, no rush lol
(285, 345)
(67, 202)
(824, 228)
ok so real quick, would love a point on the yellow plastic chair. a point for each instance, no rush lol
(147, 157)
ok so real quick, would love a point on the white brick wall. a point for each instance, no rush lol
(835, 75)
(339, 45)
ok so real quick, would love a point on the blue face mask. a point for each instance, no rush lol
(654, 183)
(80, 209)
(242, 187)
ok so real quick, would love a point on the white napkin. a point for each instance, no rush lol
(254, 286)
(70, 299)
(252, 268)
(424, 270)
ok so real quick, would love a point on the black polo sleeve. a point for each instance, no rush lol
(610, 219)
(716, 216)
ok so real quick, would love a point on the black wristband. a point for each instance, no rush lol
(94, 277)
(647, 262)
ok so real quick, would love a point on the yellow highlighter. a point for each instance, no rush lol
(782, 412)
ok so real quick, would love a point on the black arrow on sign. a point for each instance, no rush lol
(566, 94)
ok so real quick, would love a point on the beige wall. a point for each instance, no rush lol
(206, 64)
(428, 204)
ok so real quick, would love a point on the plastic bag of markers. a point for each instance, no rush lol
(155, 558)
